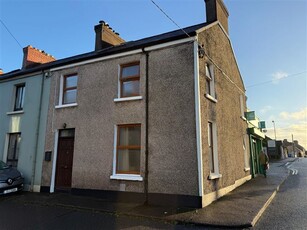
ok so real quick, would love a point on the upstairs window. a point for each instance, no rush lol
(19, 97)
(69, 89)
(210, 91)
(130, 80)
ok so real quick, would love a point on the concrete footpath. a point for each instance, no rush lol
(240, 208)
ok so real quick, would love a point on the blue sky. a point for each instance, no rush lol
(269, 38)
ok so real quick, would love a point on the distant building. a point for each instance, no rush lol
(293, 149)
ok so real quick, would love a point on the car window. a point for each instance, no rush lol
(3, 165)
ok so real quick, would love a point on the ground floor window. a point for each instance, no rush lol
(13, 149)
(212, 150)
(128, 149)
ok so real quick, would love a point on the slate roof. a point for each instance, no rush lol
(127, 46)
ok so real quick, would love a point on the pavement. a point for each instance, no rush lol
(240, 208)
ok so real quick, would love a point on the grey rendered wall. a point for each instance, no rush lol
(226, 112)
(26, 123)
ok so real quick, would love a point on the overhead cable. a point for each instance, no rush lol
(169, 17)
(10, 33)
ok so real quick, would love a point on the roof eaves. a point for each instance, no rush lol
(125, 47)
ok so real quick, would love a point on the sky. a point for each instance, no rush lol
(269, 38)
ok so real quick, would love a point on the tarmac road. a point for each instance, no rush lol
(289, 208)
(17, 215)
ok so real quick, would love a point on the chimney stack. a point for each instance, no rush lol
(106, 37)
(33, 57)
(217, 11)
(1, 71)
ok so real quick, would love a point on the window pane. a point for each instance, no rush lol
(67, 133)
(128, 160)
(208, 90)
(71, 81)
(211, 160)
(130, 136)
(130, 71)
(19, 98)
(208, 72)
(130, 88)
(70, 96)
(13, 149)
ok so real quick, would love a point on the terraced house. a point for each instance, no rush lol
(24, 97)
(159, 119)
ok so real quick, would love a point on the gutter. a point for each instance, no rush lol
(198, 120)
(146, 127)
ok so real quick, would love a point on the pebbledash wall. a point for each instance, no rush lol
(226, 110)
(171, 128)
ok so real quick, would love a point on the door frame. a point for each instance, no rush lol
(55, 155)
(54, 163)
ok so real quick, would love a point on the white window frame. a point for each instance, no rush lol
(60, 101)
(211, 78)
(119, 98)
(215, 174)
(115, 176)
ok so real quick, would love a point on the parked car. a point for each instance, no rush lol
(11, 180)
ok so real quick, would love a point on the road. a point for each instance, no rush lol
(17, 215)
(289, 208)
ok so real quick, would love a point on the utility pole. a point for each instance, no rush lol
(293, 146)
(276, 151)
(274, 129)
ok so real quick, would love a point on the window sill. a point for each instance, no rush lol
(15, 112)
(243, 118)
(128, 99)
(213, 176)
(66, 105)
(126, 177)
(247, 169)
(208, 96)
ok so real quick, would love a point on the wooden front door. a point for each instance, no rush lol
(64, 159)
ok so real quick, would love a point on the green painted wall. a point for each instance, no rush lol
(31, 123)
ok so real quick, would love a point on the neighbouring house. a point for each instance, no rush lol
(256, 132)
(159, 119)
(24, 97)
(274, 148)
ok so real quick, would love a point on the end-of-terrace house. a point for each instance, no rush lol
(159, 119)
(24, 98)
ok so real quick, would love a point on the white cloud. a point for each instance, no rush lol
(288, 124)
(265, 109)
(279, 75)
(300, 115)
